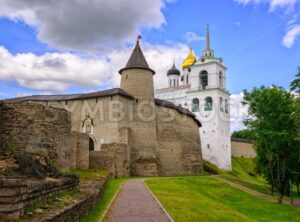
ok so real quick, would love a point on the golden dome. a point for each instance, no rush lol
(189, 60)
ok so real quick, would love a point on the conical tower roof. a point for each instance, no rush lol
(137, 60)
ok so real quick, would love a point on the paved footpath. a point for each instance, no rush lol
(135, 203)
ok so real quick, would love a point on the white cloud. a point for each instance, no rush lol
(56, 72)
(88, 26)
(23, 94)
(291, 35)
(273, 4)
(191, 37)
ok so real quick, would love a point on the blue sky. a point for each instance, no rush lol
(43, 53)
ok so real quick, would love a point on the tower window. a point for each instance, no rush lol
(221, 104)
(226, 106)
(221, 83)
(203, 79)
(195, 105)
(208, 104)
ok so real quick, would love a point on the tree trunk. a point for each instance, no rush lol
(298, 190)
(279, 197)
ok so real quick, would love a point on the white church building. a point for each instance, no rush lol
(201, 88)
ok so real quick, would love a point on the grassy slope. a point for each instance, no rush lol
(111, 188)
(205, 199)
(241, 167)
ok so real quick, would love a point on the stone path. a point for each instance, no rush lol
(135, 203)
(255, 193)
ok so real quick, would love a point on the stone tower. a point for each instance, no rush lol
(137, 80)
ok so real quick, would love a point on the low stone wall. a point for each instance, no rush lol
(78, 210)
(112, 157)
(242, 148)
(16, 194)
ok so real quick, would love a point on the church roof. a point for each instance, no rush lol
(173, 71)
(137, 60)
(110, 92)
(190, 60)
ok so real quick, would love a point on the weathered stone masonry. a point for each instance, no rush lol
(16, 194)
(34, 128)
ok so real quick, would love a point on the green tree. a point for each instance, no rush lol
(244, 134)
(295, 84)
(275, 131)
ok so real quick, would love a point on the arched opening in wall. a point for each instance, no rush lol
(221, 84)
(221, 104)
(203, 79)
(226, 106)
(91, 144)
(195, 105)
(208, 103)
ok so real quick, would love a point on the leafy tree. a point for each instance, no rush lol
(295, 84)
(275, 131)
(244, 134)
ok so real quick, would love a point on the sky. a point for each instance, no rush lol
(57, 47)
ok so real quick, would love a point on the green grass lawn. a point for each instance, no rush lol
(111, 188)
(241, 170)
(205, 199)
(89, 174)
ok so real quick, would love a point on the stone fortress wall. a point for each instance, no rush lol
(34, 128)
(242, 148)
(175, 151)
(179, 149)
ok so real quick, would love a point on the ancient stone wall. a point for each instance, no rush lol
(76, 211)
(242, 149)
(179, 147)
(112, 157)
(16, 194)
(34, 128)
(82, 151)
(108, 115)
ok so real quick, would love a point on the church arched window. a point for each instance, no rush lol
(221, 79)
(226, 106)
(195, 105)
(203, 79)
(221, 104)
(208, 104)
